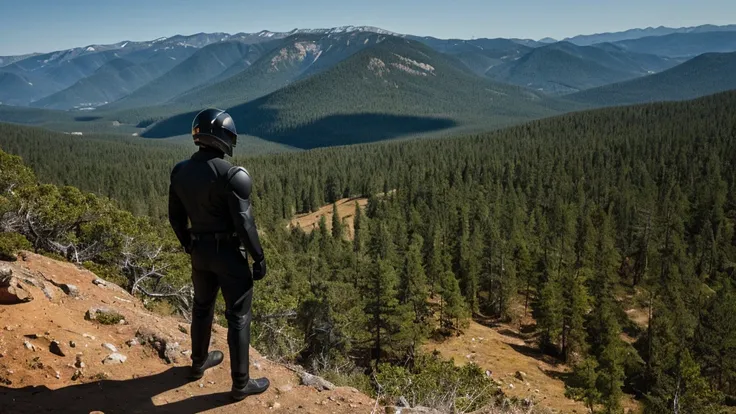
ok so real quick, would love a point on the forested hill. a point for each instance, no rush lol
(706, 74)
(395, 88)
(582, 217)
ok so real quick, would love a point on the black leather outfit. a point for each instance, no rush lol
(208, 191)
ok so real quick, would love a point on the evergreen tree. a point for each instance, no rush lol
(337, 228)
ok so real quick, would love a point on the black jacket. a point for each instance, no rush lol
(214, 195)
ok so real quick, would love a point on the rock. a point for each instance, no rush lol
(183, 329)
(316, 382)
(114, 358)
(70, 290)
(257, 365)
(167, 349)
(110, 347)
(171, 351)
(88, 336)
(132, 342)
(520, 375)
(106, 315)
(77, 375)
(285, 388)
(78, 363)
(275, 406)
(56, 349)
(48, 292)
(186, 352)
(72, 344)
(29, 346)
(99, 282)
(403, 402)
(57, 374)
(12, 291)
(201, 385)
(511, 386)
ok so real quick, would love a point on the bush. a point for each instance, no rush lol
(437, 383)
(10, 244)
(109, 318)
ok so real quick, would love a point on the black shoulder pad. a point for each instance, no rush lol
(178, 167)
(220, 167)
(239, 182)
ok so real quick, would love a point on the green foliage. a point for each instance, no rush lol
(11, 244)
(436, 383)
(584, 385)
(109, 318)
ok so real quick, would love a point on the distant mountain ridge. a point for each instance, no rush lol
(704, 75)
(587, 40)
(563, 67)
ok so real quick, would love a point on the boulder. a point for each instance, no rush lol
(520, 375)
(114, 359)
(314, 381)
(70, 290)
(12, 291)
(100, 282)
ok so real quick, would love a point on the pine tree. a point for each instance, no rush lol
(414, 280)
(358, 229)
(337, 228)
(584, 384)
(453, 308)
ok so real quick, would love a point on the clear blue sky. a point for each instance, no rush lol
(46, 25)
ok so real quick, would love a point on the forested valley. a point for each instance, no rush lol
(573, 218)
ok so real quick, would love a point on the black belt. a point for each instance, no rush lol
(222, 236)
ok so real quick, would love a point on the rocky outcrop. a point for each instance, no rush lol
(167, 348)
(12, 290)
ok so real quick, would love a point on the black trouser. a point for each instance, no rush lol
(218, 264)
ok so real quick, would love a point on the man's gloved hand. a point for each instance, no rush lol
(259, 270)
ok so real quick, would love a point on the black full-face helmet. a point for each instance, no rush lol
(215, 128)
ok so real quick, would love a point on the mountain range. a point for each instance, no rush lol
(704, 75)
(587, 40)
(307, 87)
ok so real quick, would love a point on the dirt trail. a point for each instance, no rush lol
(33, 381)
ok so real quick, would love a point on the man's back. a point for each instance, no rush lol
(200, 184)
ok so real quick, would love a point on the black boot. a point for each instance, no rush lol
(242, 389)
(214, 359)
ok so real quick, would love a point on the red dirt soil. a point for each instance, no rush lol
(34, 381)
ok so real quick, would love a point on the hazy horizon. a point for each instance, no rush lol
(40, 26)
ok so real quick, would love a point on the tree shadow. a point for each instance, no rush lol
(344, 129)
(533, 352)
(111, 396)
